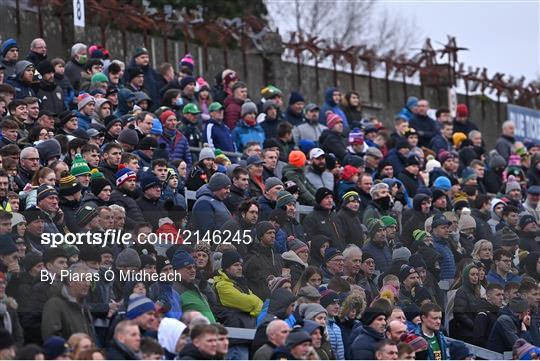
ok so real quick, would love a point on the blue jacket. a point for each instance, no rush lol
(124, 95)
(169, 296)
(21, 90)
(494, 277)
(329, 105)
(397, 160)
(426, 127)
(177, 146)
(218, 135)
(172, 194)
(335, 338)
(381, 256)
(506, 331)
(244, 134)
(83, 121)
(363, 346)
(440, 142)
(447, 261)
(442, 344)
(151, 85)
(209, 213)
(291, 320)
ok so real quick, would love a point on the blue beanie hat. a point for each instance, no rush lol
(54, 347)
(8, 44)
(412, 102)
(182, 259)
(157, 128)
(443, 183)
(295, 97)
(229, 258)
(149, 181)
(306, 145)
(123, 174)
(330, 253)
(139, 305)
(7, 246)
(187, 80)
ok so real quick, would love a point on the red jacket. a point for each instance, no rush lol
(233, 111)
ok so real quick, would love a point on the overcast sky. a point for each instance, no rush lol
(503, 36)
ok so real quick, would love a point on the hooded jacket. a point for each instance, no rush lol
(51, 97)
(169, 333)
(233, 111)
(324, 222)
(506, 331)
(333, 142)
(243, 134)
(305, 189)
(363, 346)
(262, 262)
(22, 90)
(397, 160)
(295, 264)
(330, 106)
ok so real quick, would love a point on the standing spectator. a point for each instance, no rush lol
(233, 104)
(311, 129)
(216, 133)
(75, 66)
(294, 171)
(10, 56)
(295, 110)
(176, 143)
(505, 143)
(462, 123)
(442, 141)
(191, 126)
(38, 51)
(316, 172)
(247, 130)
(126, 342)
(425, 126)
(377, 245)
(209, 211)
(141, 59)
(332, 100)
(440, 229)
(277, 332)
(372, 331)
(23, 79)
(486, 318)
(239, 189)
(332, 139)
(323, 220)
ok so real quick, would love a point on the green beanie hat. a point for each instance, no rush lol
(79, 166)
(419, 234)
(98, 78)
(388, 221)
(95, 173)
(374, 225)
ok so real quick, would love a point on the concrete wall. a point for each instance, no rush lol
(283, 74)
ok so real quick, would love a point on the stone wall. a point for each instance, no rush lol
(282, 73)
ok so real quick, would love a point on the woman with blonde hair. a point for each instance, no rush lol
(483, 252)
(78, 343)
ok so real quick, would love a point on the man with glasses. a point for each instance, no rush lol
(334, 264)
(500, 274)
(28, 165)
(38, 51)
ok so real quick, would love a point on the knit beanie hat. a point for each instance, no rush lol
(206, 153)
(45, 67)
(30, 260)
(350, 196)
(248, 107)
(443, 183)
(83, 99)
(89, 254)
(297, 158)
(457, 139)
(218, 181)
(85, 215)
(284, 198)
(401, 254)
(275, 283)
(97, 185)
(157, 128)
(123, 174)
(54, 347)
(69, 185)
(45, 191)
(165, 115)
(370, 314)
(297, 245)
(186, 81)
(460, 201)
(328, 297)
(311, 310)
(525, 351)
(79, 166)
(330, 253)
(229, 258)
(523, 221)
(128, 258)
(466, 221)
(388, 221)
(467, 175)
(271, 182)
(512, 185)
(129, 136)
(432, 163)
(374, 225)
(182, 259)
(161, 262)
(187, 61)
(507, 236)
(418, 343)
(405, 271)
(149, 181)
(95, 174)
(462, 110)
(295, 98)
(332, 119)
(419, 234)
(356, 137)
(297, 337)
(322, 193)
(309, 292)
(138, 305)
(7, 45)
(458, 350)
(263, 227)
(111, 120)
(7, 245)
(98, 78)
(348, 172)
(48, 149)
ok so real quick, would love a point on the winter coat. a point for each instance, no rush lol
(209, 213)
(243, 134)
(351, 224)
(308, 131)
(363, 346)
(262, 261)
(504, 146)
(218, 136)
(333, 142)
(381, 255)
(266, 206)
(494, 277)
(70, 208)
(264, 352)
(152, 210)
(483, 324)
(467, 304)
(122, 198)
(446, 262)
(426, 127)
(234, 199)
(410, 181)
(22, 90)
(233, 111)
(119, 351)
(51, 97)
(533, 174)
(173, 194)
(9, 70)
(442, 344)
(326, 223)
(319, 180)
(397, 160)
(177, 146)
(527, 242)
(439, 143)
(269, 126)
(83, 121)
(193, 299)
(483, 230)
(465, 128)
(506, 331)
(64, 316)
(198, 177)
(192, 132)
(294, 118)
(335, 338)
(305, 189)
(330, 106)
(150, 85)
(294, 264)
(10, 320)
(232, 294)
(64, 84)
(73, 72)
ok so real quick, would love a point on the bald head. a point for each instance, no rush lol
(277, 332)
(395, 329)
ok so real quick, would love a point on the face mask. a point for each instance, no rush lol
(82, 59)
(179, 102)
(250, 121)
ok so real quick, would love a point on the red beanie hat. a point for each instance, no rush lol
(167, 113)
(332, 119)
(297, 158)
(462, 110)
(348, 172)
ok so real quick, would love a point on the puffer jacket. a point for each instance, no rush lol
(363, 346)
(177, 146)
(506, 331)
(235, 294)
(209, 213)
(381, 255)
(243, 134)
(233, 111)
(446, 262)
(333, 142)
(133, 212)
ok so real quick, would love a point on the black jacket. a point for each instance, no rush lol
(133, 212)
(483, 324)
(466, 306)
(410, 181)
(190, 352)
(262, 261)
(234, 199)
(323, 222)
(51, 97)
(152, 211)
(70, 208)
(119, 351)
(333, 142)
(353, 233)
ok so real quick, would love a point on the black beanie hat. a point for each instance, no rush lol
(322, 193)
(97, 185)
(89, 254)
